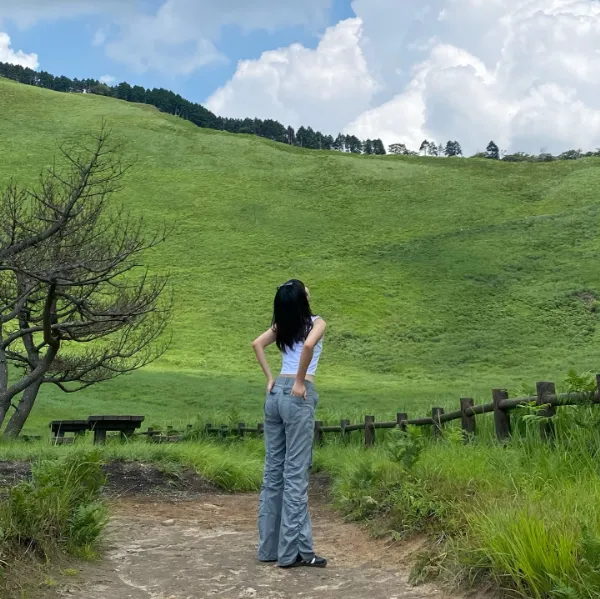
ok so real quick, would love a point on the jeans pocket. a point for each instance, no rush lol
(270, 407)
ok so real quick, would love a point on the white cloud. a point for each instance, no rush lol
(107, 79)
(26, 13)
(323, 88)
(179, 36)
(183, 35)
(162, 43)
(521, 72)
(7, 54)
(99, 37)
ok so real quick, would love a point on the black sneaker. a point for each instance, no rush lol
(315, 562)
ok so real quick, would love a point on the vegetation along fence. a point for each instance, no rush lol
(546, 401)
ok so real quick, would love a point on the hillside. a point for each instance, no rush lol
(437, 276)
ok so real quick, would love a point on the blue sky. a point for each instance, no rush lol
(65, 47)
(520, 72)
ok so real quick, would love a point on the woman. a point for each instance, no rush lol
(283, 521)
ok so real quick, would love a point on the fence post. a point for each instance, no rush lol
(467, 421)
(369, 431)
(343, 424)
(543, 390)
(437, 423)
(207, 427)
(401, 418)
(224, 430)
(260, 429)
(597, 394)
(501, 417)
(241, 427)
(318, 432)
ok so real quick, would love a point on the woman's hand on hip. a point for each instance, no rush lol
(299, 390)
(270, 385)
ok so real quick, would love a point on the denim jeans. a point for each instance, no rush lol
(283, 520)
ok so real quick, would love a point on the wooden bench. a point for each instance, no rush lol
(60, 427)
(126, 425)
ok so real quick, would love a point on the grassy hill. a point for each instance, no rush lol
(438, 277)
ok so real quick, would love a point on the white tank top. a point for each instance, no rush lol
(291, 357)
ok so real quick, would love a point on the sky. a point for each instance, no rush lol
(520, 72)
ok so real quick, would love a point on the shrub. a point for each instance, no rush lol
(59, 508)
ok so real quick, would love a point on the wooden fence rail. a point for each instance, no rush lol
(546, 399)
(501, 406)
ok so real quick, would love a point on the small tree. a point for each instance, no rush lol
(101, 89)
(290, 136)
(545, 157)
(353, 144)
(340, 143)
(492, 152)
(453, 149)
(424, 148)
(398, 149)
(570, 155)
(378, 147)
(401, 150)
(75, 306)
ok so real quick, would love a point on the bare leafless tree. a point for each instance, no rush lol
(76, 305)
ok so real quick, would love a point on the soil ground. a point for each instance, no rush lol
(174, 536)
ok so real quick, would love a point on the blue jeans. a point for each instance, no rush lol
(283, 520)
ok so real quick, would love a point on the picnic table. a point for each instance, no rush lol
(60, 427)
(126, 425)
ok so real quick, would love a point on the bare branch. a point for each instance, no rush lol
(77, 306)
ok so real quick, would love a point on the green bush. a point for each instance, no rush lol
(383, 485)
(59, 508)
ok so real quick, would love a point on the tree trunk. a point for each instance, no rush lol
(4, 405)
(15, 424)
(31, 378)
(3, 379)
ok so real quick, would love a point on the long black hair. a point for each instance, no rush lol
(292, 316)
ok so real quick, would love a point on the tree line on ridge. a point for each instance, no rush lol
(171, 103)
(304, 137)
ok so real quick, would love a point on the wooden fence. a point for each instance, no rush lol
(546, 399)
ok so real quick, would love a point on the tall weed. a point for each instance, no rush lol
(60, 508)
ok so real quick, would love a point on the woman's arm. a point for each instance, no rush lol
(259, 345)
(315, 335)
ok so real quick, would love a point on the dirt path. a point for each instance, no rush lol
(205, 547)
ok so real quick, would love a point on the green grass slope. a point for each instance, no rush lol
(438, 277)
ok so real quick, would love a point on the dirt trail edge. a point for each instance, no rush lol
(205, 547)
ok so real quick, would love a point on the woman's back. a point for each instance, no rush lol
(291, 357)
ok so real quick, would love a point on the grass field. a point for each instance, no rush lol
(438, 277)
